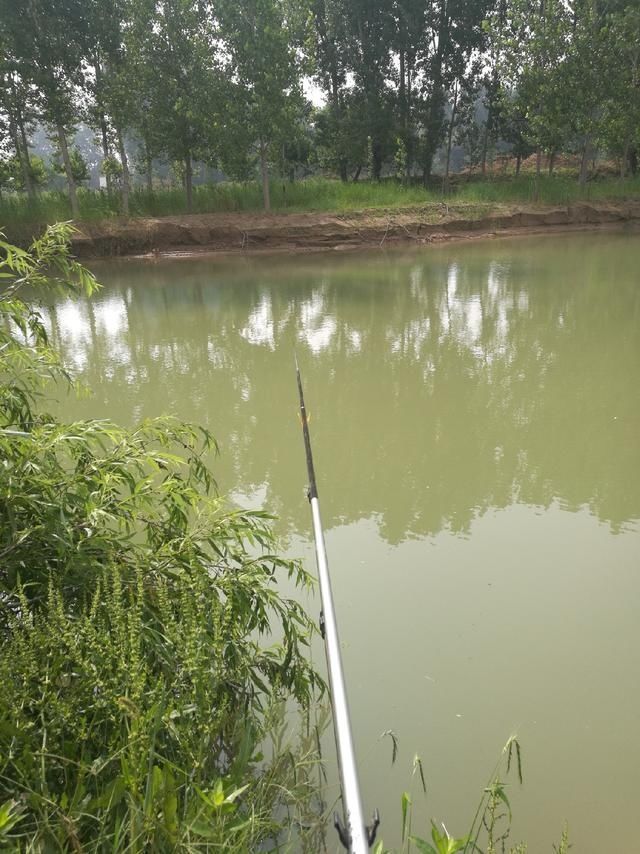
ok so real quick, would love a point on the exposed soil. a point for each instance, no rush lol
(358, 229)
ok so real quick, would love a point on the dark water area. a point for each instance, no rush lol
(475, 413)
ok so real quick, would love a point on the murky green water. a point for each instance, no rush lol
(476, 423)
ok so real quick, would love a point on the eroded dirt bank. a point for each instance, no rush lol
(359, 229)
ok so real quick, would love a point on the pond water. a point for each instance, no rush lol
(475, 414)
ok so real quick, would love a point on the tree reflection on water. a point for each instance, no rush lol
(441, 384)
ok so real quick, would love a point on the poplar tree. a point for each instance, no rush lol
(175, 53)
(454, 34)
(49, 40)
(620, 125)
(17, 105)
(328, 49)
(261, 38)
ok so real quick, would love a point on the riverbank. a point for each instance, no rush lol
(423, 224)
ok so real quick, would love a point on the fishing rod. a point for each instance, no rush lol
(354, 835)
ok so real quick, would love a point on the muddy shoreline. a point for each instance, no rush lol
(250, 233)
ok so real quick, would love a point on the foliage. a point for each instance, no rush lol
(79, 168)
(134, 610)
(189, 81)
(261, 36)
(12, 173)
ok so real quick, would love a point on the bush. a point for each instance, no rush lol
(134, 608)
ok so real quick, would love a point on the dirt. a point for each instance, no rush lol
(243, 232)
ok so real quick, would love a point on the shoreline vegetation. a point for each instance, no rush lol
(324, 214)
(148, 653)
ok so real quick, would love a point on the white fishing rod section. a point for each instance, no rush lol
(354, 835)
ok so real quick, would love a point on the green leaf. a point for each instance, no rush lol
(218, 793)
(11, 812)
(500, 793)
(422, 845)
(406, 803)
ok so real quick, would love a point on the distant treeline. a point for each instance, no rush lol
(222, 84)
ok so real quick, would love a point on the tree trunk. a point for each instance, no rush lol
(624, 160)
(337, 113)
(402, 99)
(431, 144)
(105, 150)
(149, 172)
(538, 162)
(485, 139)
(13, 133)
(633, 160)
(377, 159)
(26, 161)
(102, 120)
(445, 181)
(188, 181)
(264, 169)
(552, 160)
(356, 174)
(437, 100)
(409, 139)
(122, 151)
(71, 183)
(518, 164)
(402, 90)
(587, 152)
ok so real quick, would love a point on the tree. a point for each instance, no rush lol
(12, 173)
(106, 43)
(76, 162)
(261, 37)
(583, 79)
(17, 103)
(535, 49)
(410, 24)
(172, 51)
(454, 35)
(330, 63)
(620, 116)
(513, 126)
(462, 124)
(369, 33)
(341, 141)
(468, 131)
(49, 41)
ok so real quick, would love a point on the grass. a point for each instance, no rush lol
(555, 189)
(314, 194)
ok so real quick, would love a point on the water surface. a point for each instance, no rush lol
(476, 420)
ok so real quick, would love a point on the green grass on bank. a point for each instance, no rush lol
(315, 194)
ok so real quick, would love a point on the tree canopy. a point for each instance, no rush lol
(193, 81)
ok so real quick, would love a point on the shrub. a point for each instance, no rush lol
(145, 644)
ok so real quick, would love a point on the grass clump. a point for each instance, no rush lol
(146, 649)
